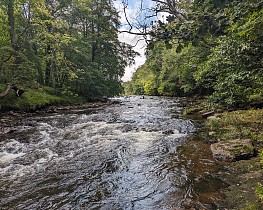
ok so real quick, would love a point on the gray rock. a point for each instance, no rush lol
(213, 117)
(232, 150)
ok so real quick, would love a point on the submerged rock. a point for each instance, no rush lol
(232, 150)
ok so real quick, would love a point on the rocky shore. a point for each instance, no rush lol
(234, 136)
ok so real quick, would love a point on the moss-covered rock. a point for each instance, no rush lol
(232, 150)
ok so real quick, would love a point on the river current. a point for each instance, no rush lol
(137, 154)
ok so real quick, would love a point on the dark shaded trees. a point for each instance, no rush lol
(69, 45)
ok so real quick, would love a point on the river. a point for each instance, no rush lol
(139, 153)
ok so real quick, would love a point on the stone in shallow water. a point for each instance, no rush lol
(232, 150)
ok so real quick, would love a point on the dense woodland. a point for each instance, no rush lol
(71, 46)
(57, 52)
(206, 48)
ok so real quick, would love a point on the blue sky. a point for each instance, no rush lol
(136, 11)
(133, 14)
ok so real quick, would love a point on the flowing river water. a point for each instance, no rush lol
(136, 154)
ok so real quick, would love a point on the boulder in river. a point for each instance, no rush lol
(232, 150)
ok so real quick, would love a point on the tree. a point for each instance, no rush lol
(216, 52)
(68, 44)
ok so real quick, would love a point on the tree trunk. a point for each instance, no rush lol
(38, 66)
(93, 48)
(6, 91)
(11, 23)
(8, 88)
(48, 67)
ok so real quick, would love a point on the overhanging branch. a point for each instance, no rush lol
(135, 33)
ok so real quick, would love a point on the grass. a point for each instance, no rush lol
(241, 124)
(231, 125)
(34, 99)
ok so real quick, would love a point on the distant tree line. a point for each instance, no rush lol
(208, 48)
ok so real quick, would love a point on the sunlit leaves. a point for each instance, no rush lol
(218, 52)
(70, 44)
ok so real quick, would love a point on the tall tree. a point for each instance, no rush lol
(67, 44)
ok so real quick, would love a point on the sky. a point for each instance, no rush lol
(139, 60)
(132, 12)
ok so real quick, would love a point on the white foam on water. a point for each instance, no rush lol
(135, 138)
(12, 146)
(8, 157)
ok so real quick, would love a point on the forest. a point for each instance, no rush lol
(67, 47)
(68, 52)
(212, 49)
(71, 47)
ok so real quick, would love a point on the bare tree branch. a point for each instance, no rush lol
(135, 33)
(167, 6)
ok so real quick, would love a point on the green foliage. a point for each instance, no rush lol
(145, 84)
(217, 52)
(169, 72)
(261, 158)
(259, 191)
(70, 45)
(169, 89)
(150, 88)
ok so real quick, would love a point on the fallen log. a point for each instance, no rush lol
(8, 88)
(6, 91)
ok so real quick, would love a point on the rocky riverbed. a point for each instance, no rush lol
(137, 153)
(133, 153)
(236, 137)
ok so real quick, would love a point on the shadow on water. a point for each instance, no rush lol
(137, 154)
(204, 184)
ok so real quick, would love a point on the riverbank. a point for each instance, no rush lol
(243, 174)
(40, 101)
(45, 99)
(234, 136)
(36, 99)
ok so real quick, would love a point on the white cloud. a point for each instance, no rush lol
(135, 14)
(137, 41)
(139, 46)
